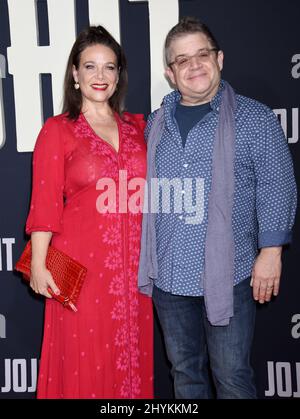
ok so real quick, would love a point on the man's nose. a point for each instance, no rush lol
(195, 61)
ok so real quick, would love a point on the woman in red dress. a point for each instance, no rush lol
(88, 165)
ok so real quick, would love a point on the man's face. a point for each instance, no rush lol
(195, 69)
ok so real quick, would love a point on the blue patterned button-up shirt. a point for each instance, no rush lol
(264, 199)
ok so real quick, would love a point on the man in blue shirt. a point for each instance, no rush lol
(229, 167)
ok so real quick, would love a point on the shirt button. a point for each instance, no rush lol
(185, 165)
(180, 217)
(183, 192)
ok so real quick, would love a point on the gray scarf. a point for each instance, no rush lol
(219, 245)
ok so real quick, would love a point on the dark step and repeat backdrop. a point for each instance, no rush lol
(261, 42)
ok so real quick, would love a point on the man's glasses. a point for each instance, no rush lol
(202, 55)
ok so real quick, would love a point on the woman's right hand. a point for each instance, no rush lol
(41, 279)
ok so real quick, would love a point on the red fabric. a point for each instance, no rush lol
(105, 350)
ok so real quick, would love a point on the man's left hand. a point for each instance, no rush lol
(266, 273)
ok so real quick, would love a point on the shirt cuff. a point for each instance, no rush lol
(274, 238)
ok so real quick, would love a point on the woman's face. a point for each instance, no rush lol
(97, 74)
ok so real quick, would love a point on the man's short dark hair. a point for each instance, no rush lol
(188, 25)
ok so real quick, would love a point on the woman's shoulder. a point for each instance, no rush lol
(58, 120)
(55, 131)
(134, 118)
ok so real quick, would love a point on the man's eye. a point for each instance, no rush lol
(182, 61)
(89, 66)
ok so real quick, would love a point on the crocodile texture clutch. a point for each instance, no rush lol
(68, 274)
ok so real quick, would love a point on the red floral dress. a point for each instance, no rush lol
(105, 350)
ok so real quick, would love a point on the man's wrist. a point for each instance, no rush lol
(272, 250)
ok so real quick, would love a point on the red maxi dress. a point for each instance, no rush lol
(105, 349)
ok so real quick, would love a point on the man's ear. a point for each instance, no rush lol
(220, 59)
(170, 75)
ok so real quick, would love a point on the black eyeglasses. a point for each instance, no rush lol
(183, 61)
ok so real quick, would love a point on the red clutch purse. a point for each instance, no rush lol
(68, 274)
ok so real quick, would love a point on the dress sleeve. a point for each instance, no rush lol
(48, 181)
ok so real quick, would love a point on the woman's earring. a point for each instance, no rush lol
(76, 85)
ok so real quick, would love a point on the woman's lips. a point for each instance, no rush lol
(100, 86)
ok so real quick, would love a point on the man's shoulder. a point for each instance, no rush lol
(152, 116)
(246, 103)
(150, 120)
(252, 113)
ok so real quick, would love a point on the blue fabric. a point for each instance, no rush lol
(190, 340)
(264, 198)
(188, 116)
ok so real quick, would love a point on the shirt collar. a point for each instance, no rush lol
(172, 98)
